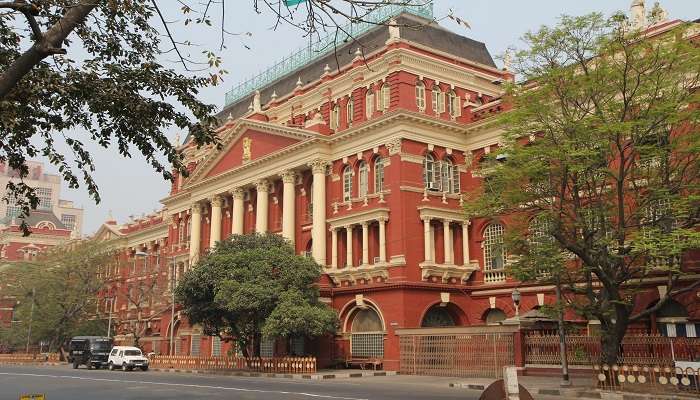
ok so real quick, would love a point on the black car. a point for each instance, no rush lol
(92, 351)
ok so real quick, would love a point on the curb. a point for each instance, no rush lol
(42, 363)
(585, 393)
(316, 376)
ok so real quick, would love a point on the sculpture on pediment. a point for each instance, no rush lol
(247, 144)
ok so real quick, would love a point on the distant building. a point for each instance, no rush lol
(53, 222)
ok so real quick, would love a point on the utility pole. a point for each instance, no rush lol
(31, 320)
(172, 307)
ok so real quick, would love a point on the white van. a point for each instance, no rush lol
(127, 358)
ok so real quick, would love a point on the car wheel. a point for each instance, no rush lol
(110, 366)
(75, 365)
(124, 367)
(89, 364)
(144, 368)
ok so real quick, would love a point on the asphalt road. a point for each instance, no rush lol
(64, 383)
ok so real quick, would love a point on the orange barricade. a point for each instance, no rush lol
(293, 365)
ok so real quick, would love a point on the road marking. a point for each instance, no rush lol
(314, 395)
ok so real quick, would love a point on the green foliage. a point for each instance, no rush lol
(254, 285)
(602, 146)
(62, 286)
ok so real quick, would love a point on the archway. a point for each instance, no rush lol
(366, 333)
(494, 316)
(672, 320)
(438, 316)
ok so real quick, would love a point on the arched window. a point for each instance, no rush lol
(378, 175)
(438, 100)
(453, 103)
(437, 317)
(538, 229)
(367, 334)
(363, 179)
(385, 97)
(350, 108)
(369, 103)
(335, 116)
(494, 254)
(431, 173)
(347, 183)
(494, 316)
(449, 176)
(420, 95)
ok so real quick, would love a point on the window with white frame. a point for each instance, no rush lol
(267, 347)
(181, 231)
(13, 211)
(369, 103)
(494, 254)
(68, 220)
(385, 97)
(450, 176)
(420, 95)
(438, 100)
(431, 173)
(335, 116)
(347, 183)
(378, 175)
(215, 346)
(363, 179)
(350, 109)
(44, 195)
(453, 105)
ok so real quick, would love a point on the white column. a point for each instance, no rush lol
(334, 248)
(263, 188)
(348, 245)
(215, 232)
(365, 243)
(318, 229)
(465, 242)
(288, 203)
(447, 240)
(237, 212)
(382, 240)
(426, 240)
(196, 215)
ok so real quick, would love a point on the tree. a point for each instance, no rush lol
(601, 147)
(97, 66)
(62, 287)
(252, 286)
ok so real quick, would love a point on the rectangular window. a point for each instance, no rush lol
(369, 107)
(68, 220)
(196, 345)
(215, 346)
(267, 347)
(13, 211)
(44, 195)
(367, 345)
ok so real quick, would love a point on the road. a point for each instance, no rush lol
(64, 383)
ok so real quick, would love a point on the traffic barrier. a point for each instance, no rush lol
(292, 365)
(24, 358)
(648, 379)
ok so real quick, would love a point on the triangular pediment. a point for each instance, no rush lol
(246, 142)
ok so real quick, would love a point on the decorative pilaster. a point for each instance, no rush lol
(334, 248)
(428, 252)
(261, 212)
(215, 232)
(237, 212)
(447, 240)
(196, 215)
(465, 242)
(318, 229)
(365, 243)
(288, 179)
(348, 245)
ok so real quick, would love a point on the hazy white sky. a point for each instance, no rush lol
(131, 187)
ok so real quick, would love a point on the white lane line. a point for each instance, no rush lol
(320, 396)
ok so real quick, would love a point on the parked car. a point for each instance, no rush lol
(127, 358)
(91, 351)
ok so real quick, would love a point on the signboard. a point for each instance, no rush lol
(32, 397)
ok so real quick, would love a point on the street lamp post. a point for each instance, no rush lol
(515, 295)
(31, 320)
(562, 337)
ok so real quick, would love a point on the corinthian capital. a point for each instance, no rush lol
(197, 208)
(318, 166)
(217, 201)
(288, 176)
(237, 193)
(262, 185)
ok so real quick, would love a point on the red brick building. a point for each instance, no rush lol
(362, 165)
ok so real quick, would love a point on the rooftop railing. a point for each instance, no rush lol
(325, 45)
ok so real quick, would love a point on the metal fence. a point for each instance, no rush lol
(634, 350)
(292, 365)
(646, 379)
(463, 355)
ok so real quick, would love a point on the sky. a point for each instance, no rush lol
(130, 187)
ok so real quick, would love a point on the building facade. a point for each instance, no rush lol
(362, 164)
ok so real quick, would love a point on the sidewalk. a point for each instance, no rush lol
(322, 374)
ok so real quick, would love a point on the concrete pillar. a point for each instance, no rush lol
(447, 240)
(465, 242)
(382, 240)
(334, 248)
(365, 243)
(261, 212)
(215, 231)
(427, 245)
(196, 215)
(288, 180)
(237, 212)
(348, 245)
(318, 229)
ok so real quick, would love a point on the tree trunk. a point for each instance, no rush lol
(610, 347)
